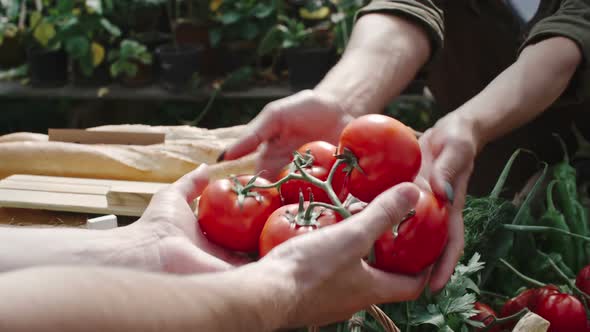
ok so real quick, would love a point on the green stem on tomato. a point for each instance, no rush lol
(563, 276)
(291, 176)
(520, 275)
(500, 321)
(493, 294)
(543, 229)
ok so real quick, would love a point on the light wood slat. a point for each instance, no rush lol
(55, 187)
(151, 187)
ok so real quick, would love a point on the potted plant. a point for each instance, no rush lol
(178, 63)
(132, 62)
(86, 37)
(46, 57)
(239, 24)
(308, 50)
(12, 52)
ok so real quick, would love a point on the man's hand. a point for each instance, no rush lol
(286, 124)
(183, 248)
(322, 277)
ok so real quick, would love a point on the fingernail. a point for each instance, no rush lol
(450, 192)
(221, 156)
(409, 215)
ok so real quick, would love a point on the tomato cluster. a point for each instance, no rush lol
(375, 153)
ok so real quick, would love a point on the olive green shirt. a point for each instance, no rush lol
(475, 40)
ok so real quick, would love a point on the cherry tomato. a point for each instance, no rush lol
(387, 152)
(420, 240)
(285, 224)
(486, 315)
(583, 279)
(230, 222)
(323, 159)
(564, 312)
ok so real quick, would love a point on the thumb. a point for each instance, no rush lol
(389, 209)
(449, 165)
(263, 128)
(192, 184)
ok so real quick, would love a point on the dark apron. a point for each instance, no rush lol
(481, 40)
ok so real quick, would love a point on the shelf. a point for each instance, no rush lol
(10, 89)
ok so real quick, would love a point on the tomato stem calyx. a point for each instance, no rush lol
(351, 160)
(244, 191)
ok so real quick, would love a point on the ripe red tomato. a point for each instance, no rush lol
(583, 279)
(387, 152)
(233, 224)
(486, 315)
(420, 239)
(542, 293)
(323, 159)
(529, 298)
(564, 312)
(284, 224)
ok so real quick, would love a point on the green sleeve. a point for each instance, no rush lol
(571, 20)
(423, 12)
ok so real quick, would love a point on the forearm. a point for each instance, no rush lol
(66, 299)
(524, 90)
(26, 247)
(382, 57)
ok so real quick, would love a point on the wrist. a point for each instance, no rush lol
(471, 128)
(136, 246)
(268, 300)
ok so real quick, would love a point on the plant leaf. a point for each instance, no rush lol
(110, 28)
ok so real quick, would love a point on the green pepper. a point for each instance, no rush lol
(567, 201)
(557, 242)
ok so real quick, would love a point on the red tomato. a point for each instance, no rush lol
(323, 159)
(387, 152)
(486, 315)
(564, 312)
(284, 224)
(583, 279)
(232, 225)
(523, 300)
(542, 293)
(420, 239)
(529, 298)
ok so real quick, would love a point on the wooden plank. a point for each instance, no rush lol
(55, 187)
(125, 198)
(105, 137)
(150, 187)
(65, 202)
(44, 200)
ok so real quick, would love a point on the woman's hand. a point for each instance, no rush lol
(182, 246)
(448, 153)
(286, 124)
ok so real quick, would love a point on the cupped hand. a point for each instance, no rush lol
(323, 274)
(182, 246)
(286, 124)
(448, 153)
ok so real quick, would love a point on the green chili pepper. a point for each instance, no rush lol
(553, 218)
(567, 200)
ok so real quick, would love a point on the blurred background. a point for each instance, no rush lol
(207, 63)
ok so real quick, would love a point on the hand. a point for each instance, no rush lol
(448, 153)
(286, 124)
(182, 246)
(322, 276)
